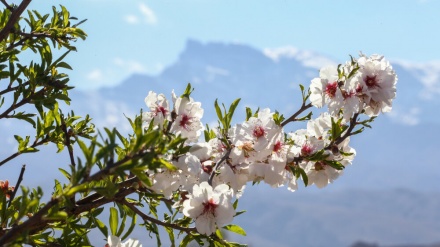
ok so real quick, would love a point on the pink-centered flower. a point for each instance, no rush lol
(210, 208)
(188, 115)
(159, 109)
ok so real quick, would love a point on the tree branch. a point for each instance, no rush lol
(15, 16)
(293, 117)
(35, 144)
(7, 5)
(217, 166)
(17, 185)
(21, 103)
(154, 220)
(28, 225)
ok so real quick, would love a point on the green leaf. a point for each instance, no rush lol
(248, 113)
(218, 111)
(188, 91)
(130, 230)
(235, 229)
(64, 65)
(113, 220)
(186, 240)
(101, 226)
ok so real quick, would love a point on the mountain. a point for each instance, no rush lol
(389, 196)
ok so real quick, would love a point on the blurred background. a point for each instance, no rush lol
(261, 51)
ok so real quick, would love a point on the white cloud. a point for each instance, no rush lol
(95, 75)
(148, 14)
(307, 58)
(410, 117)
(130, 66)
(429, 75)
(131, 19)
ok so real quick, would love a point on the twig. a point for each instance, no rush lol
(7, 5)
(67, 140)
(156, 221)
(17, 185)
(35, 144)
(21, 103)
(15, 16)
(217, 166)
(353, 123)
(29, 224)
(293, 117)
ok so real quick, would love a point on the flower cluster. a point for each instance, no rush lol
(367, 84)
(212, 173)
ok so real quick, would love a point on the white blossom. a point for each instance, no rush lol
(114, 241)
(209, 207)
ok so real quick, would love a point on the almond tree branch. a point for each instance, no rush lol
(67, 140)
(154, 220)
(35, 144)
(29, 224)
(15, 16)
(13, 89)
(294, 116)
(7, 5)
(217, 166)
(17, 185)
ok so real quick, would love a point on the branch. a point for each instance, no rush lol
(156, 221)
(353, 123)
(17, 185)
(217, 166)
(35, 144)
(28, 225)
(7, 5)
(67, 142)
(97, 176)
(293, 117)
(21, 103)
(15, 16)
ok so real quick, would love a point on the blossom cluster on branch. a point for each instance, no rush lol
(214, 172)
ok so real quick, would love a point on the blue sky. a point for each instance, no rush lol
(146, 36)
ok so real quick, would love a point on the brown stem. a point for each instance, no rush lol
(11, 89)
(15, 16)
(293, 117)
(67, 140)
(217, 166)
(353, 123)
(35, 144)
(7, 5)
(21, 103)
(154, 220)
(28, 225)
(17, 185)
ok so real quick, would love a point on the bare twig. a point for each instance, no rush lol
(293, 117)
(217, 165)
(35, 144)
(17, 185)
(353, 123)
(21, 103)
(15, 16)
(7, 5)
(11, 89)
(154, 220)
(67, 140)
